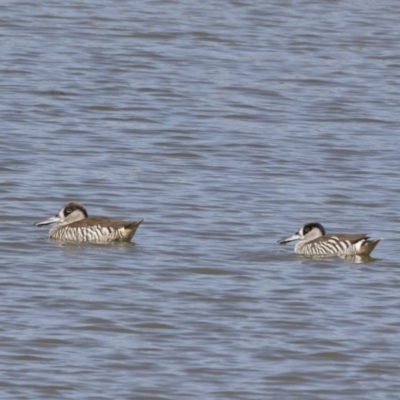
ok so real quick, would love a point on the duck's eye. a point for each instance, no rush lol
(307, 229)
(68, 210)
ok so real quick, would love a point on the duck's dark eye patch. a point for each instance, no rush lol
(68, 210)
(307, 229)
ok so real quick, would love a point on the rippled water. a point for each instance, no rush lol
(226, 126)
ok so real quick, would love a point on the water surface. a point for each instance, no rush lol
(225, 126)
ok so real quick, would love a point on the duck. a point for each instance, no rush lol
(313, 241)
(73, 224)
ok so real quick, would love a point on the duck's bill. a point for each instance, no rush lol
(289, 239)
(49, 221)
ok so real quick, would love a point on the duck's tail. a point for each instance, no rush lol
(368, 246)
(130, 229)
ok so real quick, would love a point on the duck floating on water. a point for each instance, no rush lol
(74, 225)
(313, 241)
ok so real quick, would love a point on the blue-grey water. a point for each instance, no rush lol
(225, 125)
